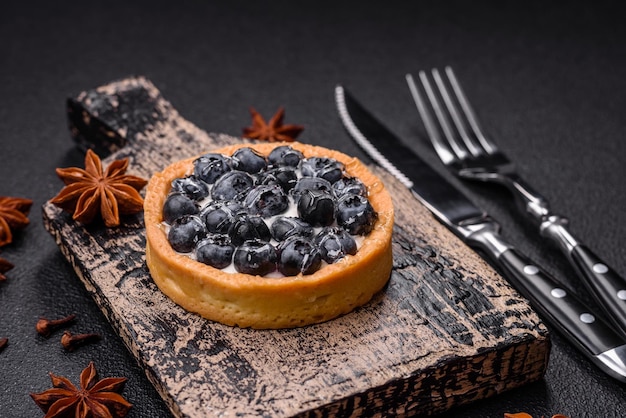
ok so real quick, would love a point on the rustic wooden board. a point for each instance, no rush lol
(446, 331)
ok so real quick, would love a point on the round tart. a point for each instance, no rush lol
(248, 300)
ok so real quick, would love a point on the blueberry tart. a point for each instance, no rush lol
(269, 235)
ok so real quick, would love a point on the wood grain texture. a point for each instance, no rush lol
(447, 330)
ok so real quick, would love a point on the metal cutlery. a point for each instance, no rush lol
(577, 322)
(467, 152)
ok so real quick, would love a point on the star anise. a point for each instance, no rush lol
(96, 399)
(13, 215)
(91, 191)
(4, 267)
(274, 131)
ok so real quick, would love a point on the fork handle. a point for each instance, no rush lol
(606, 286)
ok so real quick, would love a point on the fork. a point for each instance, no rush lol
(469, 154)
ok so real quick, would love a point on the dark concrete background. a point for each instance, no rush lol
(547, 81)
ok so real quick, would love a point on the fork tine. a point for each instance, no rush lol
(460, 152)
(441, 147)
(487, 145)
(470, 144)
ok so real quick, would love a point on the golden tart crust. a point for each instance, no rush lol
(252, 301)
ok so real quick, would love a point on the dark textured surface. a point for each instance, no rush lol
(546, 79)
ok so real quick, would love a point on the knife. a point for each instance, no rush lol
(558, 306)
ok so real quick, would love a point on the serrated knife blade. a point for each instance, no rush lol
(558, 306)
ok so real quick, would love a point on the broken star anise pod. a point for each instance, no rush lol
(95, 398)
(93, 191)
(4, 267)
(274, 130)
(13, 215)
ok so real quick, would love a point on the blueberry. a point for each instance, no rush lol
(255, 257)
(248, 160)
(335, 243)
(266, 200)
(316, 207)
(298, 255)
(326, 168)
(284, 227)
(185, 232)
(219, 216)
(349, 185)
(246, 227)
(211, 166)
(285, 156)
(192, 186)
(285, 177)
(355, 214)
(311, 183)
(216, 251)
(231, 185)
(176, 205)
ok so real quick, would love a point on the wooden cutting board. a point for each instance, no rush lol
(447, 330)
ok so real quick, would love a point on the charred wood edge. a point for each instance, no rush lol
(82, 125)
(96, 121)
(439, 385)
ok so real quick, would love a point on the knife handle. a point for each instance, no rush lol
(563, 310)
(606, 286)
